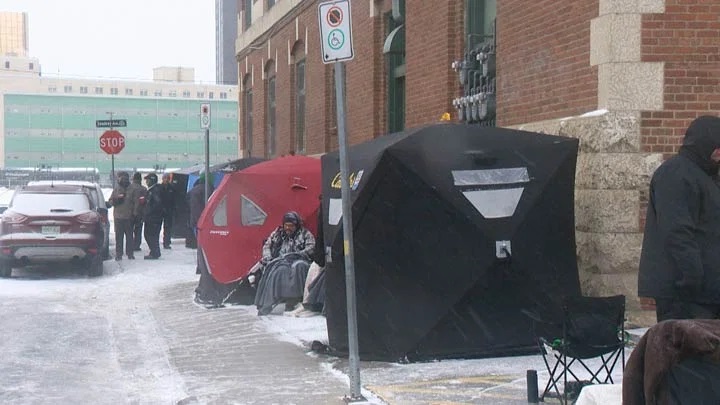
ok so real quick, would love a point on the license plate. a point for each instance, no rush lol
(50, 230)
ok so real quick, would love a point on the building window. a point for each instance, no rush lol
(128, 92)
(186, 93)
(67, 89)
(158, 93)
(270, 123)
(173, 93)
(83, 89)
(200, 94)
(248, 115)
(143, 92)
(479, 20)
(211, 95)
(31, 66)
(270, 4)
(247, 14)
(98, 90)
(395, 51)
(300, 106)
(114, 91)
(52, 89)
(480, 33)
(223, 95)
(7, 65)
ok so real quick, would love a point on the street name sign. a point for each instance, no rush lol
(110, 123)
(335, 31)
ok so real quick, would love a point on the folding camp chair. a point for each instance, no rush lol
(583, 328)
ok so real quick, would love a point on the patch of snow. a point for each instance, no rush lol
(595, 113)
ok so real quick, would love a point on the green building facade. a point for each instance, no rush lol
(58, 131)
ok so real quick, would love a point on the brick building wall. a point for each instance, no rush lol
(687, 38)
(434, 32)
(543, 60)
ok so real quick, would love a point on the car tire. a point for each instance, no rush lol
(95, 267)
(5, 270)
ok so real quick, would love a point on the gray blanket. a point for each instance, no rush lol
(282, 278)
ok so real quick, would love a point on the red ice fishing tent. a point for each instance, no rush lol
(248, 205)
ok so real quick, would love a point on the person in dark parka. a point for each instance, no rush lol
(167, 194)
(196, 201)
(140, 193)
(680, 258)
(153, 216)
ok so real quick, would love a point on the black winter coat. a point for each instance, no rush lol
(680, 256)
(196, 201)
(153, 206)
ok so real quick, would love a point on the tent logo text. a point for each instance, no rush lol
(354, 180)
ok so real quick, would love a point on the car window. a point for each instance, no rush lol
(46, 202)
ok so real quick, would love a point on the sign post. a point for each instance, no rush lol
(112, 142)
(335, 23)
(205, 124)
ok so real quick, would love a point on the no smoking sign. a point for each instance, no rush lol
(335, 31)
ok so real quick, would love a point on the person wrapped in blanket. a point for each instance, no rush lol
(286, 257)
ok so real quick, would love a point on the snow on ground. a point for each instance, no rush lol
(138, 279)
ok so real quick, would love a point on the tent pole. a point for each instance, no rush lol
(348, 247)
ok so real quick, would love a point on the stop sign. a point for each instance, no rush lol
(112, 142)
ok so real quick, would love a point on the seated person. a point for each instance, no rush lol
(286, 260)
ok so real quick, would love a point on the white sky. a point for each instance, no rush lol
(120, 39)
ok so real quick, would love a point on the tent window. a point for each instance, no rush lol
(220, 214)
(498, 203)
(251, 213)
(335, 211)
(490, 177)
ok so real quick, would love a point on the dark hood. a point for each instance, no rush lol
(701, 139)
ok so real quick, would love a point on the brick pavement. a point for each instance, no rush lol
(227, 356)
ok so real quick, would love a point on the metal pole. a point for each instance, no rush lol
(207, 164)
(112, 157)
(112, 169)
(348, 247)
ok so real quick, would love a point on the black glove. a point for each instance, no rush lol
(688, 286)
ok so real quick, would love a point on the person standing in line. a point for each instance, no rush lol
(153, 216)
(680, 257)
(167, 195)
(122, 201)
(196, 200)
(141, 193)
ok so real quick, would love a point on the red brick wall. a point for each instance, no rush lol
(687, 38)
(432, 31)
(543, 59)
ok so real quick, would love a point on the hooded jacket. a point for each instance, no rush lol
(279, 243)
(680, 256)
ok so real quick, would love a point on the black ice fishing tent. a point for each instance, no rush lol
(457, 228)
